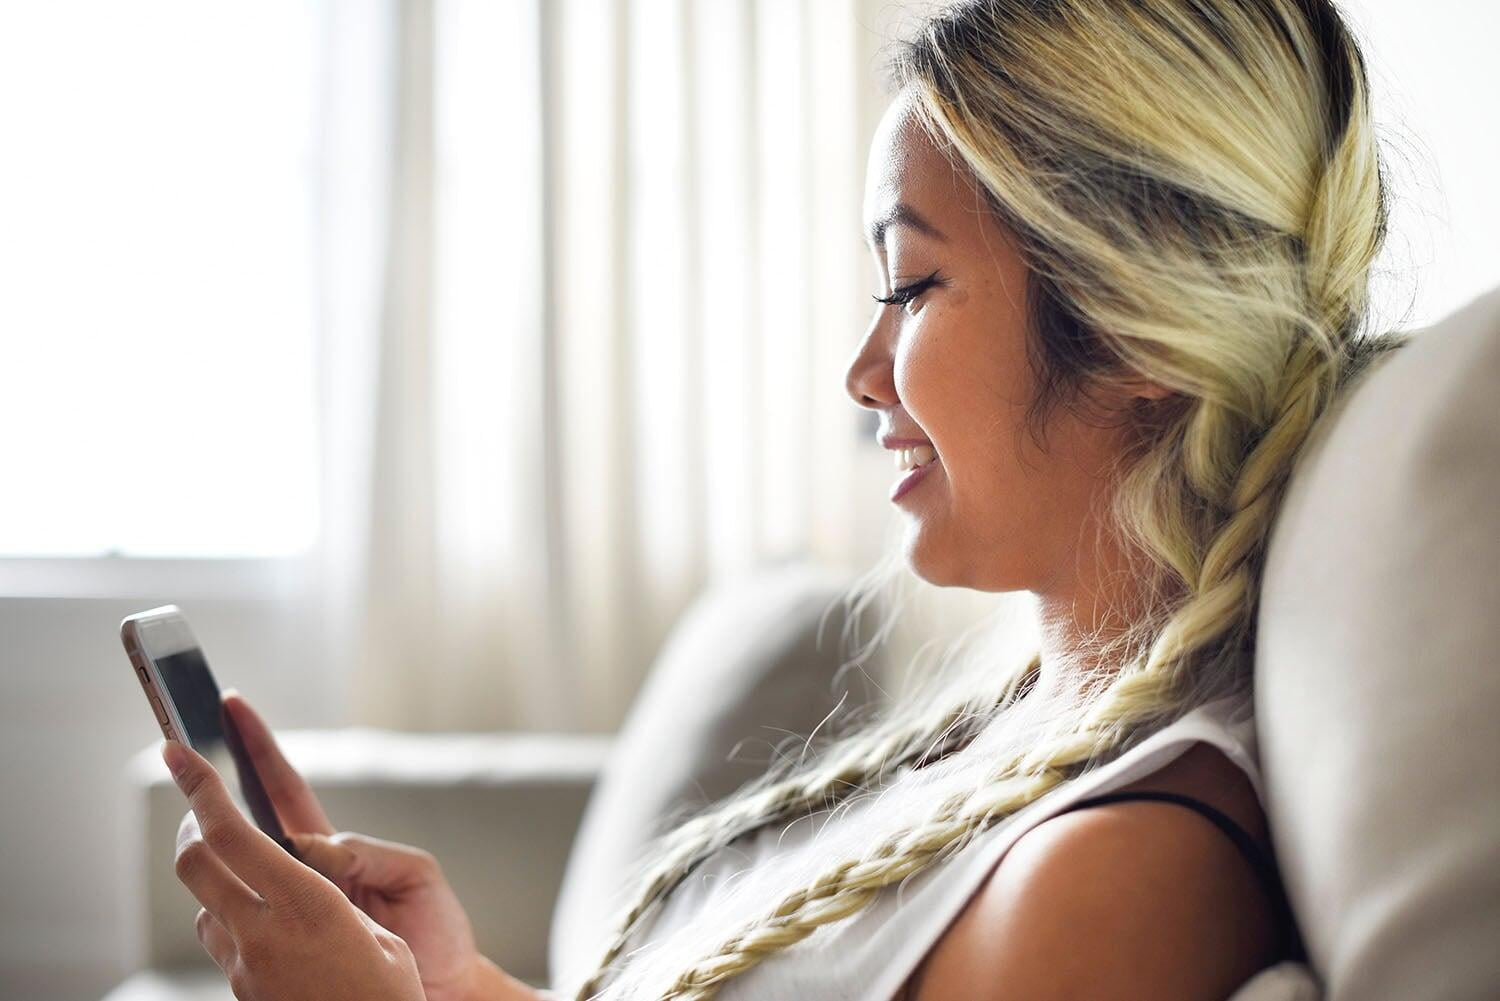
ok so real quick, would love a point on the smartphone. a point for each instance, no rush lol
(189, 708)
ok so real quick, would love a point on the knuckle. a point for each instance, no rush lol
(193, 782)
(191, 856)
(222, 834)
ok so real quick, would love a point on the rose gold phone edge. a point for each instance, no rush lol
(145, 670)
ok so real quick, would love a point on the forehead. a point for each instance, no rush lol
(906, 168)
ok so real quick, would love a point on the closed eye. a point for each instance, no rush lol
(904, 294)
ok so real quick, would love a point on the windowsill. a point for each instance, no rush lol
(146, 578)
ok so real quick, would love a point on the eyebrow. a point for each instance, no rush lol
(905, 215)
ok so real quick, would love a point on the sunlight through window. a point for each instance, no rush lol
(156, 326)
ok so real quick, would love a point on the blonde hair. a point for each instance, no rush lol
(1196, 188)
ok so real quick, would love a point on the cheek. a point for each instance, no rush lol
(925, 369)
(963, 392)
(951, 388)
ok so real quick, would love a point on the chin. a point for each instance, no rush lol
(930, 558)
(945, 561)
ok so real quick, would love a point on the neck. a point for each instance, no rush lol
(1082, 610)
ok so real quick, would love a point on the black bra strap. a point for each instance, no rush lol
(1291, 944)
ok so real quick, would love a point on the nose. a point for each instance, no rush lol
(871, 378)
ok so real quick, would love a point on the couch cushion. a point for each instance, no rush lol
(743, 670)
(1378, 674)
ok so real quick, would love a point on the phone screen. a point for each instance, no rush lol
(196, 696)
(208, 728)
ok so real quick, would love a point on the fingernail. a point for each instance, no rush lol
(175, 757)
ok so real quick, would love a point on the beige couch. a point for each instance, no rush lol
(1378, 674)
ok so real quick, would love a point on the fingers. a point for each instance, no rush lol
(216, 940)
(378, 865)
(323, 854)
(206, 876)
(237, 844)
(295, 802)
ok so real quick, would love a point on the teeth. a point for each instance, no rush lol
(911, 458)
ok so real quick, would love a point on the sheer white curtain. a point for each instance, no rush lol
(612, 253)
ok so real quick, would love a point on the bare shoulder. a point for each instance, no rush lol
(1126, 900)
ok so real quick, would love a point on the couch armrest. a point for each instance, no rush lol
(498, 811)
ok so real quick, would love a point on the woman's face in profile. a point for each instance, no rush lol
(948, 365)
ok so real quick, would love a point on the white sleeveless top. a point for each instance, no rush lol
(869, 955)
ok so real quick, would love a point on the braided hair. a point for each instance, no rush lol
(1196, 188)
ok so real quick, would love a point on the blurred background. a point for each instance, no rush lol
(432, 355)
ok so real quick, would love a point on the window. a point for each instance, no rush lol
(157, 379)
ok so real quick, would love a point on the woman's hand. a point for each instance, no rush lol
(401, 888)
(278, 930)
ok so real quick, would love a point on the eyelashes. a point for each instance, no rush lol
(904, 294)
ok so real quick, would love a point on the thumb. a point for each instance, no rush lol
(336, 859)
(350, 859)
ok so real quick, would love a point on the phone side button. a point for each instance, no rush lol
(161, 714)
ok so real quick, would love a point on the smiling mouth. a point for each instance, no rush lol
(914, 475)
(915, 457)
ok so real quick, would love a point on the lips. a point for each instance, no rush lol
(891, 441)
(911, 479)
(916, 456)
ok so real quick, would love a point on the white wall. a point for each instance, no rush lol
(1435, 82)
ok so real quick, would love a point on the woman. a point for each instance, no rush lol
(1124, 251)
